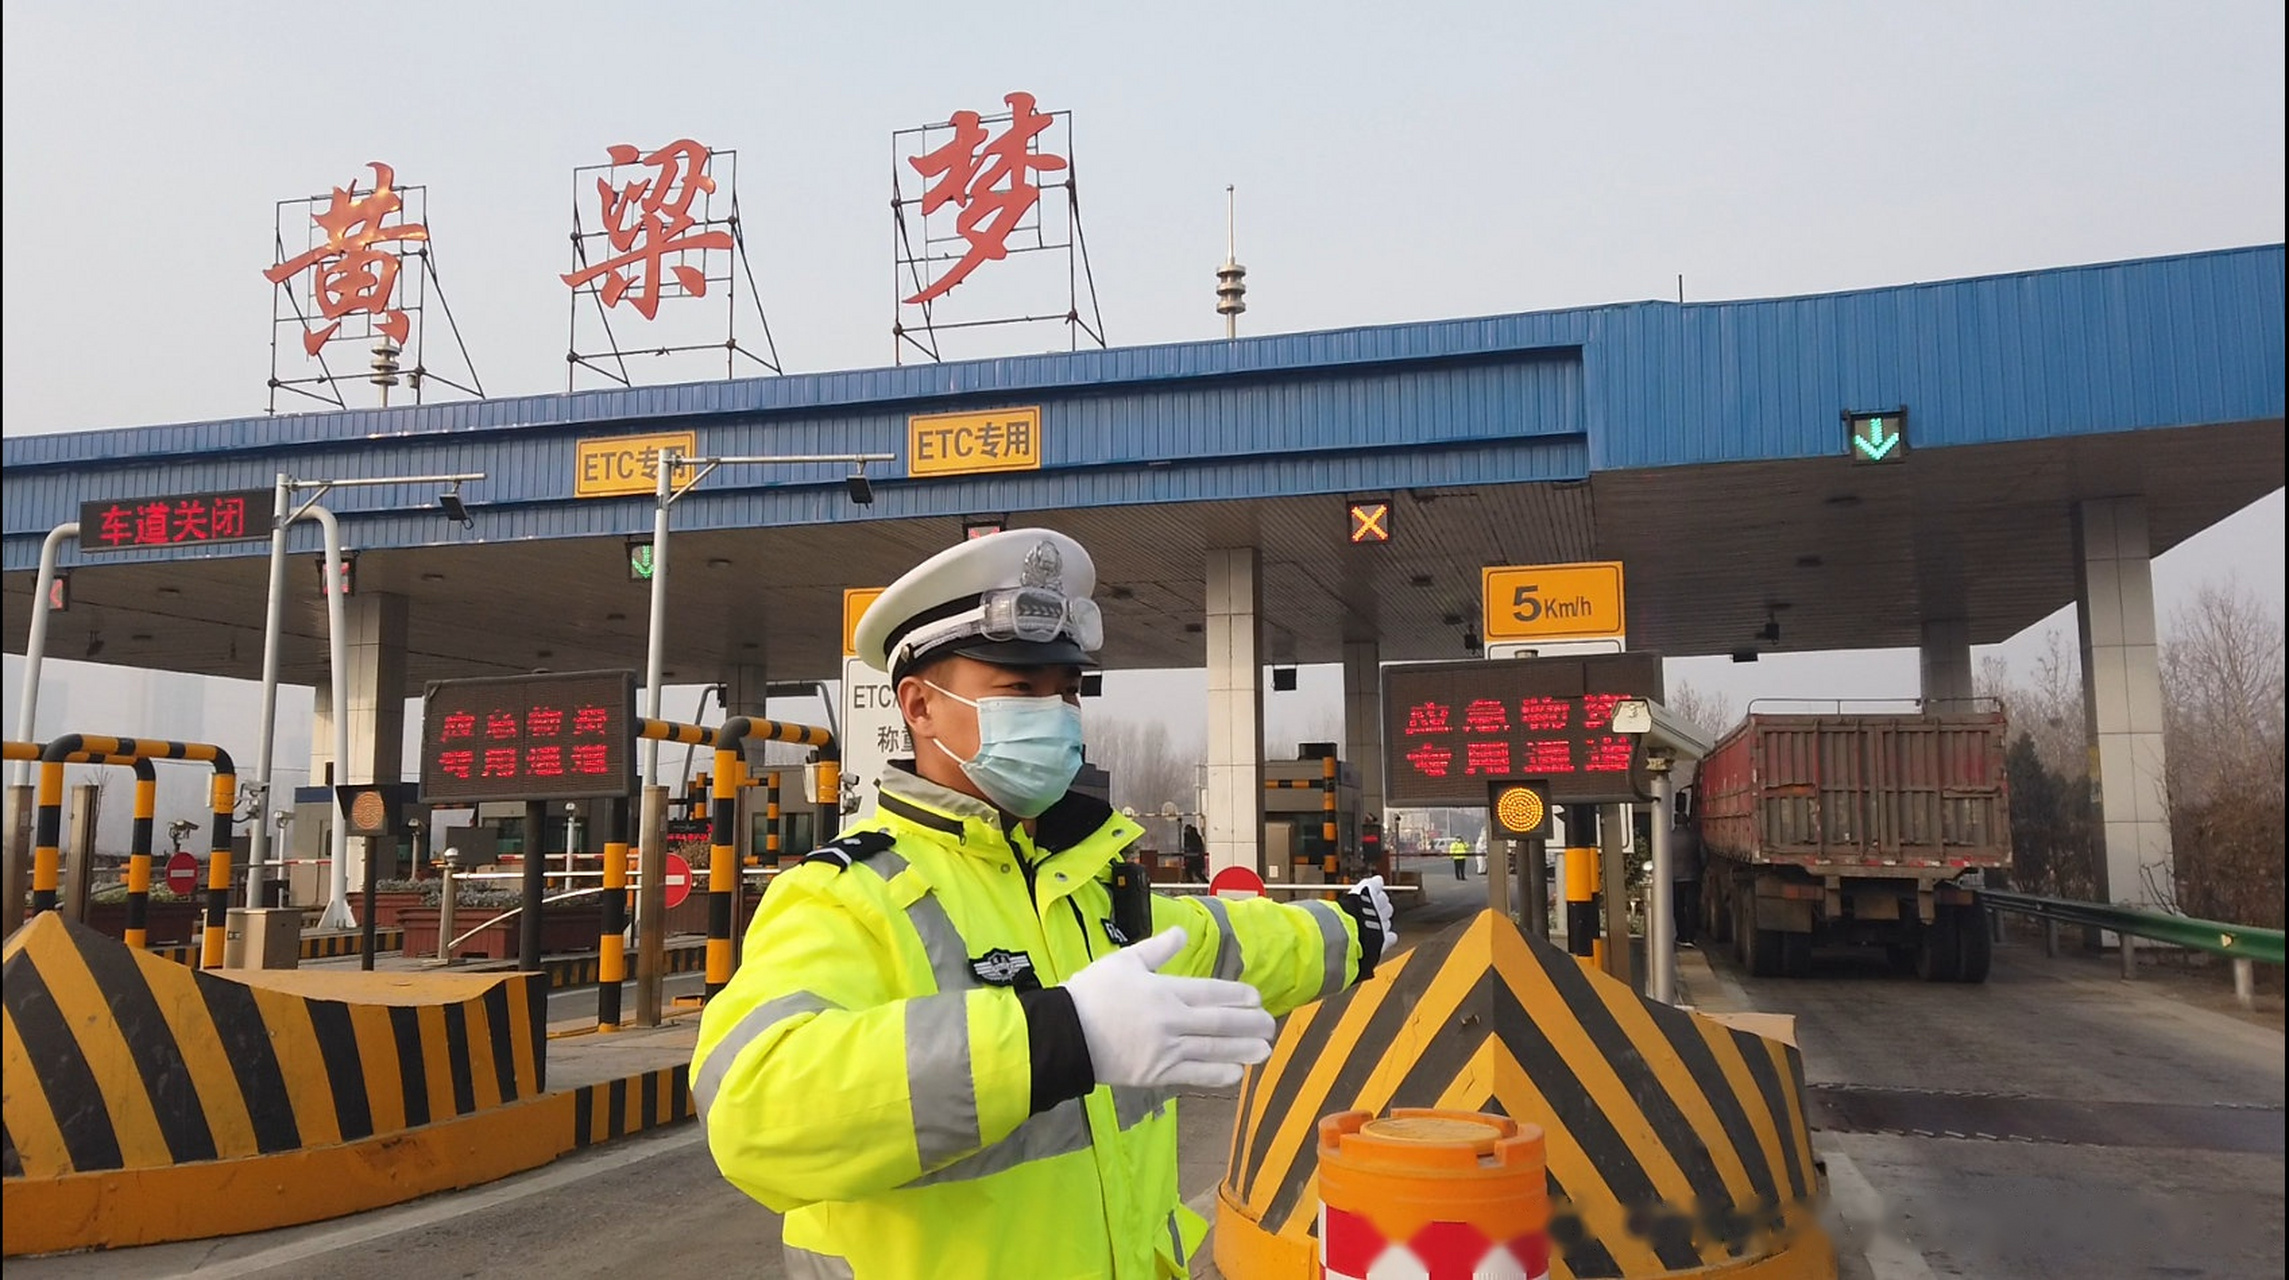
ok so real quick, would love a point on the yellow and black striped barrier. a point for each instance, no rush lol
(148, 1102)
(723, 821)
(773, 846)
(1582, 875)
(117, 1060)
(630, 1104)
(315, 946)
(47, 858)
(612, 943)
(566, 972)
(138, 929)
(1675, 1142)
(722, 850)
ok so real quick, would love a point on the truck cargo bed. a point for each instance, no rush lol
(1862, 795)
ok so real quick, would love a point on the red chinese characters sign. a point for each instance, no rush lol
(646, 221)
(356, 264)
(545, 737)
(1451, 727)
(176, 520)
(988, 179)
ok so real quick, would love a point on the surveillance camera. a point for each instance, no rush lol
(1666, 736)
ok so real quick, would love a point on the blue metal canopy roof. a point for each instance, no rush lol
(2155, 343)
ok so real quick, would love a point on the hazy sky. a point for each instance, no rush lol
(1393, 163)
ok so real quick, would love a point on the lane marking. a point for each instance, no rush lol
(390, 1222)
(1889, 1257)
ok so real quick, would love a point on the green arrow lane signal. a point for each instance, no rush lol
(1876, 437)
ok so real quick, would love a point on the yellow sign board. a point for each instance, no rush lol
(1552, 602)
(854, 602)
(616, 466)
(961, 444)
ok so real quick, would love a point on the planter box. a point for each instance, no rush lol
(691, 917)
(388, 906)
(564, 930)
(168, 922)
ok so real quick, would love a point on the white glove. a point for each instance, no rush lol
(1151, 1030)
(1377, 904)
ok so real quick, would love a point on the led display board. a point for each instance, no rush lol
(1450, 728)
(177, 520)
(567, 736)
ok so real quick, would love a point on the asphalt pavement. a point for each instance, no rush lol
(2055, 1121)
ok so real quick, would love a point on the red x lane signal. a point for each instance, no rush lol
(1370, 522)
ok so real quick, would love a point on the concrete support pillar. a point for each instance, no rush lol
(747, 691)
(1235, 832)
(2122, 696)
(1946, 663)
(1363, 722)
(377, 630)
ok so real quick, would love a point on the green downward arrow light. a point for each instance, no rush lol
(1875, 439)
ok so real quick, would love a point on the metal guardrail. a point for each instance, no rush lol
(2242, 944)
(2233, 941)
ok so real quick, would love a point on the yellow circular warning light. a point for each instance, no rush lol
(1519, 808)
(369, 812)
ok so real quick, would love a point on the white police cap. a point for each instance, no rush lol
(1018, 598)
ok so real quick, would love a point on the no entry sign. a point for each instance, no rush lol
(182, 875)
(1236, 882)
(676, 879)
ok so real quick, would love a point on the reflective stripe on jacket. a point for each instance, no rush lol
(860, 1076)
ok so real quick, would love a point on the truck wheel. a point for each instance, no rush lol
(1939, 951)
(1796, 955)
(1768, 953)
(1975, 949)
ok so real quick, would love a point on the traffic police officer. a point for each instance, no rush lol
(954, 1045)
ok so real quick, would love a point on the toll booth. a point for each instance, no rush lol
(1295, 817)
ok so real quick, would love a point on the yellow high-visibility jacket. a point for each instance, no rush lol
(892, 1068)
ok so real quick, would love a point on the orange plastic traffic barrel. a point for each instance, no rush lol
(1429, 1192)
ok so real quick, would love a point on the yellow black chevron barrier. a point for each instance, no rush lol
(140, 1096)
(1677, 1144)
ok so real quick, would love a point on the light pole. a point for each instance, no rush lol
(666, 493)
(571, 840)
(651, 840)
(337, 915)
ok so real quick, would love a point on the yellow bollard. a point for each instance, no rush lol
(1448, 1192)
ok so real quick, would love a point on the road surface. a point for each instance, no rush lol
(2054, 1122)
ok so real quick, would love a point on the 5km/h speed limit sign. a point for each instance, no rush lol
(1552, 602)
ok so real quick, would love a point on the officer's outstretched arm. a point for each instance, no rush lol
(1292, 952)
(819, 1079)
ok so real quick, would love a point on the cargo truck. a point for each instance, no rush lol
(1854, 830)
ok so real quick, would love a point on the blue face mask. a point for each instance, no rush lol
(1029, 750)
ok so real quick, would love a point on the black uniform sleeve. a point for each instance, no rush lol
(1058, 1049)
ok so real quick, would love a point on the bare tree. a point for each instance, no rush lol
(2046, 706)
(1149, 769)
(1705, 709)
(2223, 707)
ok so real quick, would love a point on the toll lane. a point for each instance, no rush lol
(2055, 1121)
